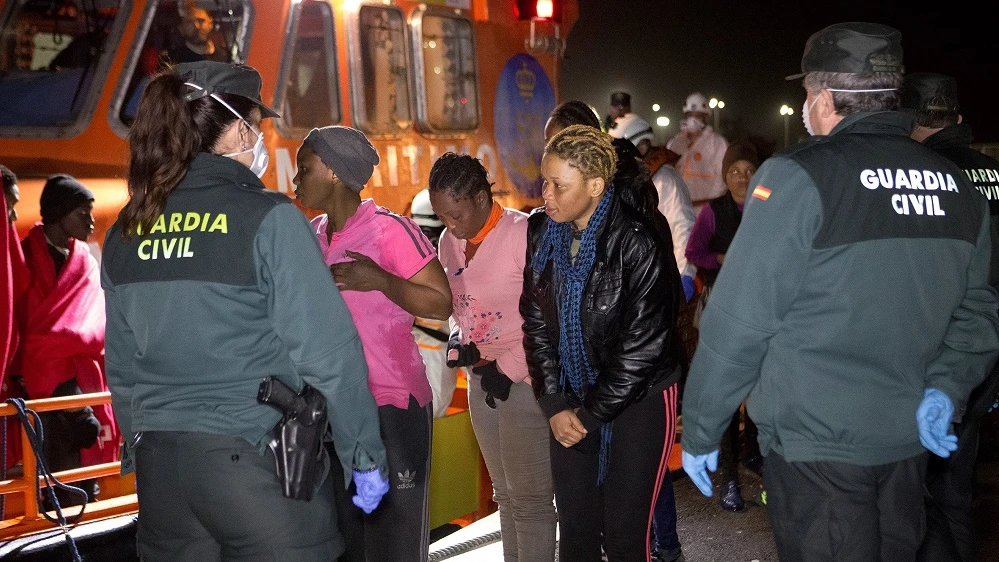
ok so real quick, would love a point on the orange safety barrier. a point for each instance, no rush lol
(122, 500)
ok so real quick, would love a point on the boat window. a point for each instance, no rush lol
(447, 78)
(308, 94)
(380, 71)
(54, 56)
(177, 31)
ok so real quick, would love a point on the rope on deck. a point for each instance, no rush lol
(463, 547)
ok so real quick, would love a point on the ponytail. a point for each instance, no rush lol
(162, 143)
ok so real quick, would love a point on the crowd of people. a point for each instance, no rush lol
(782, 305)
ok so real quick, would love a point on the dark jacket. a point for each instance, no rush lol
(728, 215)
(954, 142)
(226, 288)
(629, 304)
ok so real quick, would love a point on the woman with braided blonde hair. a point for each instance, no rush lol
(599, 305)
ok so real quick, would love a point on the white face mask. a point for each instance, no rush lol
(260, 156)
(693, 125)
(805, 118)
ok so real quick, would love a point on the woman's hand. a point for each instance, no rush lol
(362, 274)
(567, 428)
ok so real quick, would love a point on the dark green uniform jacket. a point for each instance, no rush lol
(226, 288)
(858, 278)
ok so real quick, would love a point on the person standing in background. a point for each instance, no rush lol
(432, 335)
(62, 327)
(932, 100)
(701, 150)
(710, 239)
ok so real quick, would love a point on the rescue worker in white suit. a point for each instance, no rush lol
(431, 335)
(701, 150)
(674, 196)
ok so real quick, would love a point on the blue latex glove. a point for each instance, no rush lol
(370, 489)
(933, 419)
(695, 465)
(688, 286)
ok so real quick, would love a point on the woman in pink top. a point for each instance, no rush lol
(387, 272)
(483, 251)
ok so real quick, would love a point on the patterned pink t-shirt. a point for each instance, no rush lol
(397, 245)
(486, 291)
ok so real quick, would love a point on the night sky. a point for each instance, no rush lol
(740, 52)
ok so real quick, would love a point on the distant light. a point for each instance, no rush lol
(432, 44)
(662, 121)
(721, 104)
(786, 110)
(437, 70)
(655, 107)
(713, 103)
(545, 9)
(352, 5)
(464, 101)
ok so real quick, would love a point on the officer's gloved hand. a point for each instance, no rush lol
(695, 465)
(688, 286)
(461, 355)
(371, 486)
(933, 419)
(493, 381)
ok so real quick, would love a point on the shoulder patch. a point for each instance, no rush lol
(761, 192)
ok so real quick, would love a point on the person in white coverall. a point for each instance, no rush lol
(701, 150)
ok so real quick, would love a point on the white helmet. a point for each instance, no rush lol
(633, 128)
(422, 212)
(696, 103)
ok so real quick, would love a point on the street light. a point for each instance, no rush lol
(716, 104)
(662, 121)
(655, 107)
(787, 111)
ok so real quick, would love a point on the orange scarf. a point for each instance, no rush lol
(494, 217)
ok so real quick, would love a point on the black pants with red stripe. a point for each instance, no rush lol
(617, 514)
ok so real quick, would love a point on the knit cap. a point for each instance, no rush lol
(61, 194)
(346, 151)
(739, 151)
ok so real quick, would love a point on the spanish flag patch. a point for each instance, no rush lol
(761, 193)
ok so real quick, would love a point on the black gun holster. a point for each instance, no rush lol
(297, 439)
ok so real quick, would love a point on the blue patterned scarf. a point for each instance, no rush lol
(576, 369)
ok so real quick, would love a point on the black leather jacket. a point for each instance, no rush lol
(630, 304)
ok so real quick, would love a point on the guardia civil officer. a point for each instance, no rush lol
(213, 283)
(854, 309)
(932, 100)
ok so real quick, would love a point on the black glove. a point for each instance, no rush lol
(494, 382)
(461, 355)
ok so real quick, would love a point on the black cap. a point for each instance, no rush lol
(62, 193)
(927, 91)
(621, 99)
(852, 47)
(211, 77)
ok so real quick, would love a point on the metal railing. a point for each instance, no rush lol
(31, 521)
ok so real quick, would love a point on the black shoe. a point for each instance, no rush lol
(755, 464)
(659, 555)
(731, 499)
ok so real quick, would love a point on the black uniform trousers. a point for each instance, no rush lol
(207, 498)
(839, 512)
